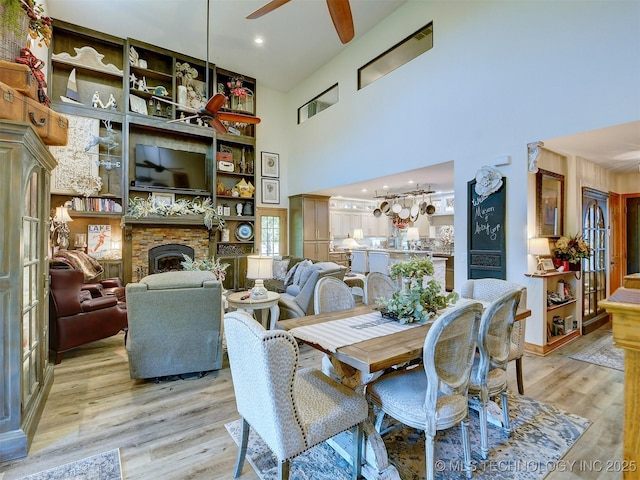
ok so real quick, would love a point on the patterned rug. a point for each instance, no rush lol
(104, 466)
(540, 435)
(602, 352)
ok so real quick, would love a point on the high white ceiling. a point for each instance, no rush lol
(299, 38)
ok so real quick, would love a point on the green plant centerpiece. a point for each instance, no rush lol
(211, 264)
(420, 298)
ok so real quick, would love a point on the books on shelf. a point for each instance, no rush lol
(95, 204)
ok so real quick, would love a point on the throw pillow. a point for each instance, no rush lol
(306, 272)
(301, 267)
(280, 269)
(293, 290)
(288, 279)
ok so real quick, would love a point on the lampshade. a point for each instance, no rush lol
(358, 234)
(413, 233)
(350, 243)
(259, 267)
(539, 246)
(62, 215)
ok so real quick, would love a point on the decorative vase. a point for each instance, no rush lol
(574, 267)
(182, 95)
(566, 266)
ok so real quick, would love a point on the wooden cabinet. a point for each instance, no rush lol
(27, 373)
(555, 311)
(143, 79)
(309, 226)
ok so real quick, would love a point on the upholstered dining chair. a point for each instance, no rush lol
(331, 295)
(433, 396)
(379, 262)
(489, 374)
(489, 289)
(291, 410)
(378, 285)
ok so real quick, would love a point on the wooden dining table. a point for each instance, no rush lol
(354, 362)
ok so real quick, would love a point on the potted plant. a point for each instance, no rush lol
(211, 264)
(570, 250)
(420, 298)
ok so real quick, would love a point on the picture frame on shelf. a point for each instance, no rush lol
(546, 265)
(549, 203)
(270, 191)
(270, 165)
(138, 105)
(163, 198)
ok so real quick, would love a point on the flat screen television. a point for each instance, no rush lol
(159, 168)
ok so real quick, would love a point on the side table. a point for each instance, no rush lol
(249, 305)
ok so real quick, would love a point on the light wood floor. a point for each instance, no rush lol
(175, 430)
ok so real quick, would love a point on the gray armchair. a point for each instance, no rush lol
(174, 324)
(298, 299)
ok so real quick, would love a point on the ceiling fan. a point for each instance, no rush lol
(340, 12)
(210, 114)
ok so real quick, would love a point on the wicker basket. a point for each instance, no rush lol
(10, 43)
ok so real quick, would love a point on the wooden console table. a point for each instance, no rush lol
(624, 307)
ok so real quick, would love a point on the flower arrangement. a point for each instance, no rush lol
(140, 207)
(39, 23)
(420, 299)
(236, 89)
(571, 248)
(185, 73)
(218, 269)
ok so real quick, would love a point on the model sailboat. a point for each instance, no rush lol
(72, 90)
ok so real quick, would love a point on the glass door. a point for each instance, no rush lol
(594, 268)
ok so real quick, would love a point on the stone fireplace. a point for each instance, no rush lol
(168, 257)
(151, 246)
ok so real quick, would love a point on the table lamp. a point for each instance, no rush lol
(60, 227)
(413, 235)
(358, 234)
(259, 268)
(540, 248)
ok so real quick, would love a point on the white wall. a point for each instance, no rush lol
(500, 75)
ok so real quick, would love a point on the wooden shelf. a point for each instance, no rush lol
(560, 305)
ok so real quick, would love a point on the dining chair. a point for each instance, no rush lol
(378, 285)
(331, 295)
(489, 289)
(489, 373)
(291, 410)
(433, 396)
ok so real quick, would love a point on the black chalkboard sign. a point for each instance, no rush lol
(486, 253)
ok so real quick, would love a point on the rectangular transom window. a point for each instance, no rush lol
(318, 104)
(414, 45)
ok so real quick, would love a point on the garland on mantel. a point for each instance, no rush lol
(140, 207)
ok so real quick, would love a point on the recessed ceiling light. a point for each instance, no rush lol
(258, 40)
(386, 187)
(364, 189)
(410, 181)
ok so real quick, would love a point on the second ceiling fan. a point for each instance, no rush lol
(340, 12)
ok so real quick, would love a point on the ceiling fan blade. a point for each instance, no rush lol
(214, 104)
(340, 12)
(217, 125)
(269, 7)
(238, 117)
(183, 119)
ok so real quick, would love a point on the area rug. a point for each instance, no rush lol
(540, 435)
(602, 352)
(104, 466)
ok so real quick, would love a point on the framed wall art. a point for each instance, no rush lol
(162, 198)
(270, 165)
(549, 203)
(270, 191)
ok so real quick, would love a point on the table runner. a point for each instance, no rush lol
(347, 331)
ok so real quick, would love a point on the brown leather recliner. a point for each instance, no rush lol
(75, 319)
